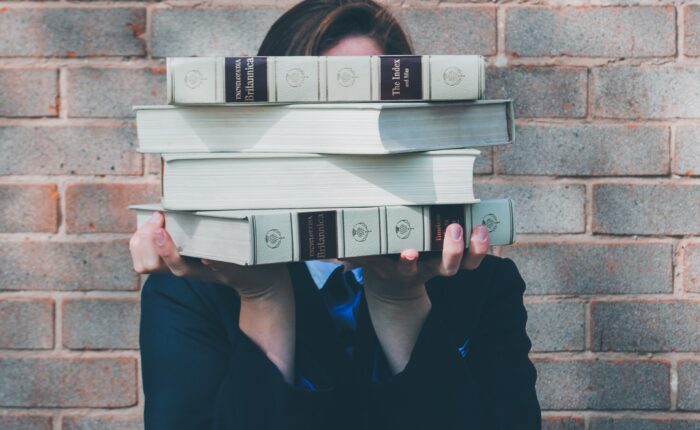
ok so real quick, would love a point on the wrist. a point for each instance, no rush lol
(273, 291)
(415, 301)
(390, 293)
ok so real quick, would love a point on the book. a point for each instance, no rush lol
(298, 79)
(228, 181)
(285, 235)
(356, 128)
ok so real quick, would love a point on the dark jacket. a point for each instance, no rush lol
(469, 368)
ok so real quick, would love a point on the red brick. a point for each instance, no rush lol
(26, 422)
(691, 270)
(152, 163)
(66, 266)
(448, 30)
(678, 422)
(562, 423)
(645, 326)
(689, 385)
(28, 208)
(603, 385)
(540, 92)
(69, 150)
(68, 382)
(692, 30)
(28, 93)
(26, 324)
(645, 92)
(594, 268)
(101, 323)
(103, 208)
(102, 422)
(112, 92)
(72, 32)
(646, 209)
(591, 31)
(209, 31)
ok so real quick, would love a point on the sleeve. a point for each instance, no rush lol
(254, 394)
(485, 381)
(201, 372)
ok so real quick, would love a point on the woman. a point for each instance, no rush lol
(412, 342)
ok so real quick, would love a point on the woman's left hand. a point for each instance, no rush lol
(398, 280)
(395, 289)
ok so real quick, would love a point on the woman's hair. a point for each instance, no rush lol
(313, 26)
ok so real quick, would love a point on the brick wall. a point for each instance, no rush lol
(604, 175)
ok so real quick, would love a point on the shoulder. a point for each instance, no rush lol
(494, 273)
(160, 288)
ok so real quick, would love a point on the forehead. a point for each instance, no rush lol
(354, 45)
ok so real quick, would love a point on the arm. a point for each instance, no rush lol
(396, 296)
(469, 368)
(267, 302)
(222, 354)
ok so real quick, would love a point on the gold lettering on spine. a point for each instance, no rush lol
(396, 76)
(237, 78)
(250, 79)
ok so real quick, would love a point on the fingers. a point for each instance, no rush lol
(167, 251)
(408, 262)
(478, 247)
(452, 250)
(143, 253)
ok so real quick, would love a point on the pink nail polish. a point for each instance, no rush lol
(160, 237)
(456, 232)
(482, 233)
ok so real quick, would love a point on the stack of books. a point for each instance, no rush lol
(279, 159)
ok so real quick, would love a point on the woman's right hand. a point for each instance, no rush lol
(153, 251)
(267, 313)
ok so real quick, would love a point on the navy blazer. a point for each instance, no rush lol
(469, 368)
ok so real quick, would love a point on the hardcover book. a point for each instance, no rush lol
(197, 80)
(331, 128)
(228, 181)
(284, 235)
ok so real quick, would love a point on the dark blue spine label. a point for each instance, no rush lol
(246, 79)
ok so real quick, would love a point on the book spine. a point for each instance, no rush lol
(282, 237)
(355, 232)
(209, 80)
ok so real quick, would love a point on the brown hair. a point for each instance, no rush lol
(313, 26)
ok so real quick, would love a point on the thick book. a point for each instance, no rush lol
(353, 128)
(284, 235)
(196, 80)
(229, 181)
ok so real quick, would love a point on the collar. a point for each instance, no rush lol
(321, 270)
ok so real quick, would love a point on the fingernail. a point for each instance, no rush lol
(456, 232)
(160, 237)
(154, 216)
(482, 233)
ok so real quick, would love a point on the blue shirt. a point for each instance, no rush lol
(342, 301)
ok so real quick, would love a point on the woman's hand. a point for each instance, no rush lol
(267, 313)
(395, 289)
(153, 251)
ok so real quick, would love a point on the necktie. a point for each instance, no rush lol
(342, 294)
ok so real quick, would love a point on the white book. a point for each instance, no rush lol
(227, 181)
(354, 128)
(285, 235)
(197, 80)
